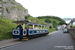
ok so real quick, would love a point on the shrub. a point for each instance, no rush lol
(12, 7)
(12, 3)
(7, 10)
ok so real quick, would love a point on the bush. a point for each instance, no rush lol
(48, 21)
(50, 27)
(12, 7)
(7, 10)
(12, 3)
(20, 7)
(55, 24)
(72, 26)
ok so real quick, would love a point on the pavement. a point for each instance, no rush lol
(56, 40)
(9, 42)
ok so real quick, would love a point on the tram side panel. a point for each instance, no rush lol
(37, 31)
(17, 33)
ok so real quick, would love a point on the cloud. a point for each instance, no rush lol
(61, 8)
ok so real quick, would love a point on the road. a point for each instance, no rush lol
(55, 41)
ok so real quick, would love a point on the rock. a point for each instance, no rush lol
(13, 10)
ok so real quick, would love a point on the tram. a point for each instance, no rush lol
(28, 33)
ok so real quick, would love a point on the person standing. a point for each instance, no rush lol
(20, 27)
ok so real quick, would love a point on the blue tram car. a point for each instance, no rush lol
(25, 34)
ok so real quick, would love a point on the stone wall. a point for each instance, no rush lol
(72, 32)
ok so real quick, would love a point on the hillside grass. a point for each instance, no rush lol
(6, 28)
(52, 29)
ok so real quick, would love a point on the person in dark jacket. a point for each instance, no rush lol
(20, 27)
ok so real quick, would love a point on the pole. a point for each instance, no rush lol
(23, 26)
(41, 26)
(33, 26)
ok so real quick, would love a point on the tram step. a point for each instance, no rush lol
(24, 37)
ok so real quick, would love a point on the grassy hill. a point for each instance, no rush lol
(6, 28)
(53, 19)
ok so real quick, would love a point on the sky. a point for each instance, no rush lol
(60, 8)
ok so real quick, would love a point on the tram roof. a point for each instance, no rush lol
(37, 24)
(22, 22)
(26, 22)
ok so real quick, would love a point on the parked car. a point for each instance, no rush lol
(65, 30)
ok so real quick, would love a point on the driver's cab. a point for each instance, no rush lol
(19, 33)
